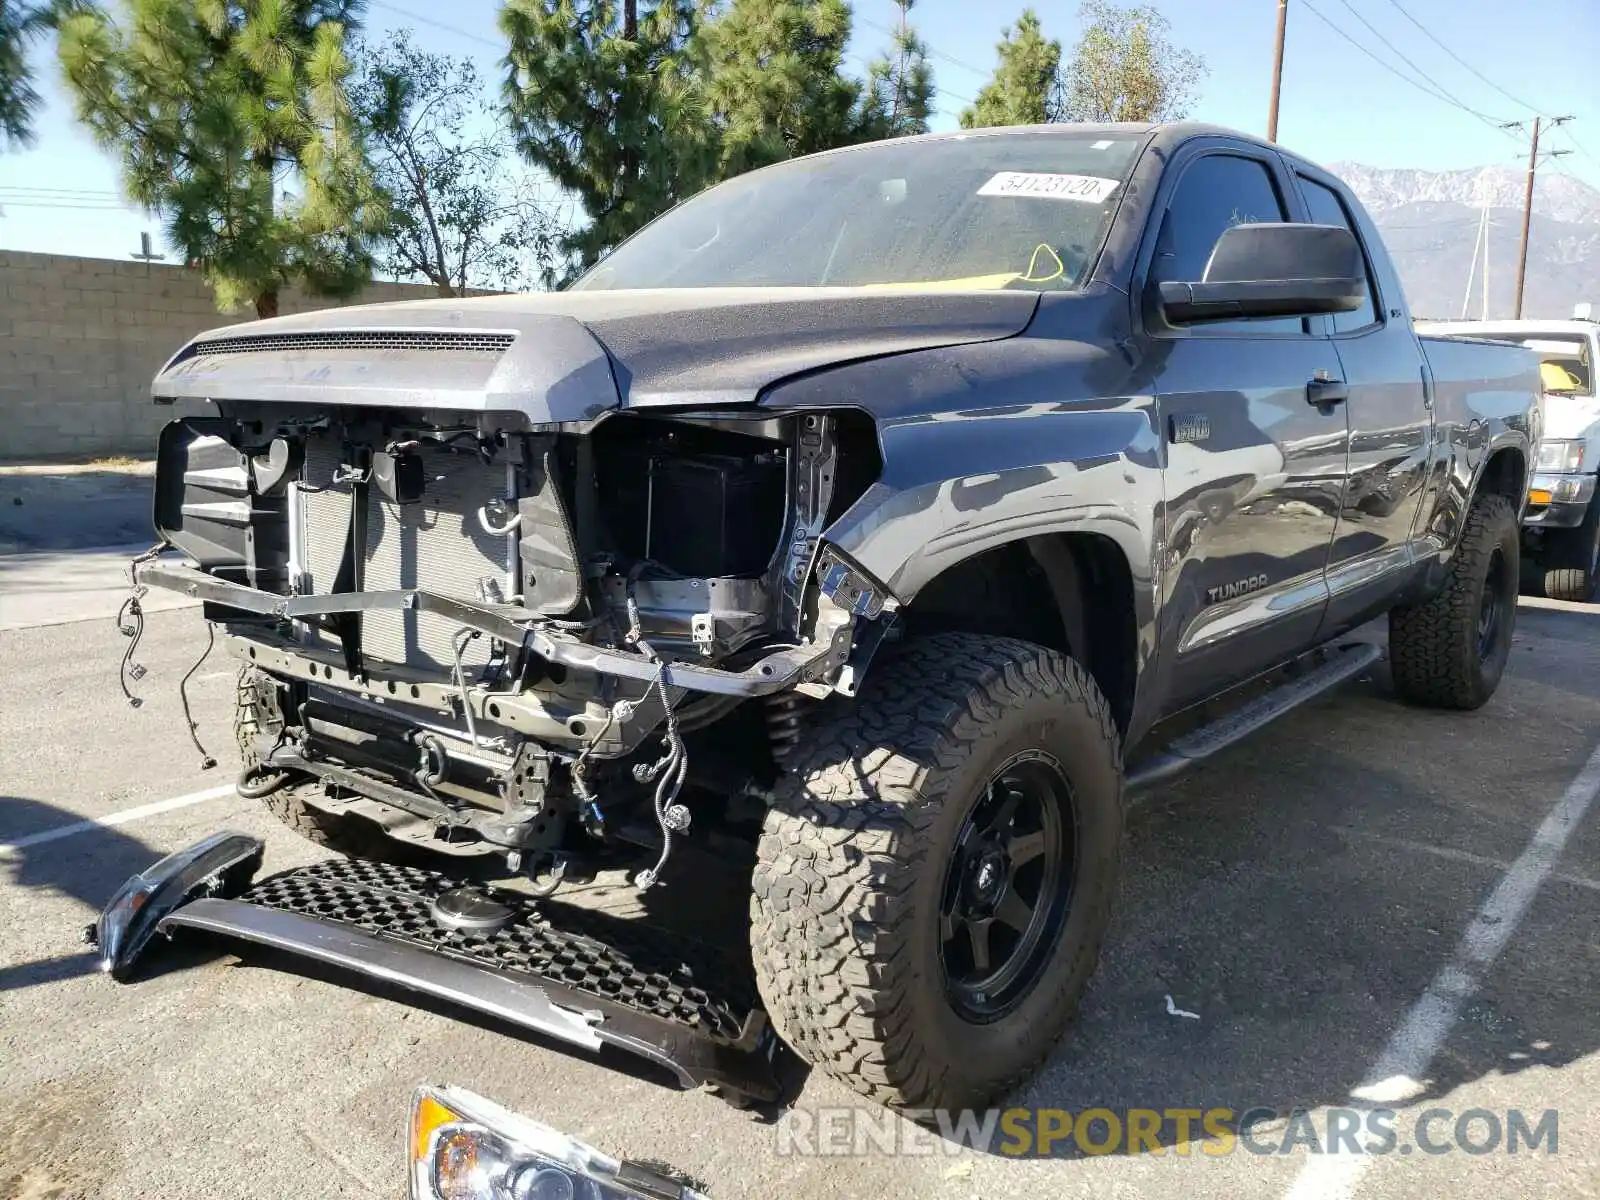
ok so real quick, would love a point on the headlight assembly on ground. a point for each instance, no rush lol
(463, 1147)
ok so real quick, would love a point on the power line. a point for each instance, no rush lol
(49, 191)
(4, 204)
(462, 33)
(932, 52)
(1430, 80)
(1399, 74)
(483, 41)
(1579, 146)
(1428, 33)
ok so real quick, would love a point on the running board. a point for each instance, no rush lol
(1344, 664)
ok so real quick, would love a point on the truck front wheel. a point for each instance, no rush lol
(936, 873)
(1450, 650)
(1571, 559)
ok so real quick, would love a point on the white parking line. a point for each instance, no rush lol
(7, 849)
(1397, 1074)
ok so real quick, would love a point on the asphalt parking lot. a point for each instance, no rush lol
(1359, 889)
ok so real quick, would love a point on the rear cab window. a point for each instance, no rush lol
(1565, 362)
(1327, 207)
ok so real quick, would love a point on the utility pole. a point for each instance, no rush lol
(1527, 210)
(1277, 71)
(1527, 222)
(1472, 271)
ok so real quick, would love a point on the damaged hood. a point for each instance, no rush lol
(570, 356)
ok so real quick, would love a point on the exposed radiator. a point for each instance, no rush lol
(436, 544)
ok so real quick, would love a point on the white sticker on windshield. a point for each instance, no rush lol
(1087, 189)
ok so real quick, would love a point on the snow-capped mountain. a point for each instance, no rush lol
(1556, 196)
(1430, 223)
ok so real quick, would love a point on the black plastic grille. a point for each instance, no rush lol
(641, 967)
(356, 339)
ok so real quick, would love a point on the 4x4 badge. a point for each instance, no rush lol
(1190, 427)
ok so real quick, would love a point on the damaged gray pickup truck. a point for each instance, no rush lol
(861, 517)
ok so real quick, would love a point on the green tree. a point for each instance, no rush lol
(21, 24)
(459, 215)
(774, 86)
(1126, 68)
(216, 110)
(900, 91)
(607, 97)
(1026, 87)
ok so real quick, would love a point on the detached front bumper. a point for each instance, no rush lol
(1558, 501)
(776, 672)
(583, 978)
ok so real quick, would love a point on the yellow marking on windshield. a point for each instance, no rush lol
(971, 283)
(1033, 263)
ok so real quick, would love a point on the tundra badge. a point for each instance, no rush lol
(1242, 587)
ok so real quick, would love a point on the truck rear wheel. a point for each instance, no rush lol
(1450, 650)
(1571, 559)
(937, 870)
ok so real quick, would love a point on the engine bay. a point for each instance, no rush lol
(467, 631)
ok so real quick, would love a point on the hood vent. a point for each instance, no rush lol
(356, 339)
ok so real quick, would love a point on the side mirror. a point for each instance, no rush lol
(1272, 270)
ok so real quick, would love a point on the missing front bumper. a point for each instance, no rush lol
(580, 977)
(776, 672)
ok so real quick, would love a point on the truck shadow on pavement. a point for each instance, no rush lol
(1300, 897)
(73, 509)
(85, 867)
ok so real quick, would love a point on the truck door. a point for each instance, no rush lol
(1255, 469)
(1391, 423)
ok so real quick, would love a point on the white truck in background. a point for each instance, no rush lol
(1561, 526)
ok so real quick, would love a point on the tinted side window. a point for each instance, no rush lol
(1327, 208)
(1215, 193)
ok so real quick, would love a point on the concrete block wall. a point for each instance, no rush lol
(81, 338)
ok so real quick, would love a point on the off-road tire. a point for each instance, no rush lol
(851, 861)
(351, 835)
(1571, 559)
(1434, 646)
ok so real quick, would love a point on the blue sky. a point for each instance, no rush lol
(1338, 104)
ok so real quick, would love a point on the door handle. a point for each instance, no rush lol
(1325, 393)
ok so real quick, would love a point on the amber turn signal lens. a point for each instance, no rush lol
(427, 1116)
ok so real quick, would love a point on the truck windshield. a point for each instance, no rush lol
(1563, 362)
(975, 212)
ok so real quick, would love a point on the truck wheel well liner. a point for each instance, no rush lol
(1070, 592)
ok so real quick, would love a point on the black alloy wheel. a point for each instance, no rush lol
(1007, 887)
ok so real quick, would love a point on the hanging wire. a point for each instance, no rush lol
(206, 760)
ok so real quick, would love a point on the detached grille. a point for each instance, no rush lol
(648, 969)
(355, 339)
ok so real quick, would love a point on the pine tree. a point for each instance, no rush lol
(774, 85)
(1025, 89)
(607, 97)
(216, 111)
(1126, 68)
(21, 24)
(900, 90)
